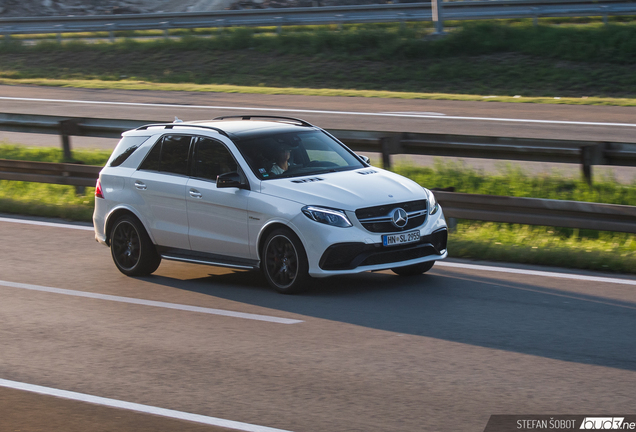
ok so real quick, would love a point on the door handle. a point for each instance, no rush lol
(140, 185)
(195, 193)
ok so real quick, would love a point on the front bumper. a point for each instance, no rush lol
(339, 251)
(349, 256)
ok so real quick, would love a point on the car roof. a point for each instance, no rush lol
(245, 128)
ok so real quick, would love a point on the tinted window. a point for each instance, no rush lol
(174, 154)
(153, 159)
(125, 148)
(170, 155)
(211, 159)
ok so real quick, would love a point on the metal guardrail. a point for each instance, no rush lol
(535, 211)
(48, 172)
(585, 153)
(531, 211)
(457, 10)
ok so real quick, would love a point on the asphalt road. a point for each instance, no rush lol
(335, 112)
(372, 352)
(602, 123)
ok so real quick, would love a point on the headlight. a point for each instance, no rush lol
(327, 216)
(433, 206)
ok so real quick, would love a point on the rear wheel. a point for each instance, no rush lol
(284, 262)
(131, 248)
(413, 270)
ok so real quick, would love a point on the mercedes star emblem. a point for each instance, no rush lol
(399, 218)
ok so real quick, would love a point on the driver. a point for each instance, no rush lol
(282, 160)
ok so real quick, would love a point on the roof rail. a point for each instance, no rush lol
(249, 117)
(172, 125)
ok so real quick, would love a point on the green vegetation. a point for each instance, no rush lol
(586, 63)
(586, 249)
(49, 200)
(51, 154)
(513, 181)
(591, 250)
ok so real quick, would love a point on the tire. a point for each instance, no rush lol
(414, 270)
(131, 248)
(284, 262)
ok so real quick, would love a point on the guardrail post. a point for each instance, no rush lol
(68, 128)
(437, 16)
(390, 145)
(535, 17)
(111, 31)
(451, 223)
(279, 27)
(593, 155)
(587, 162)
(166, 27)
(340, 19)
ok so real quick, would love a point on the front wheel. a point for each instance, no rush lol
(414, 270)
(131, 248)
(284, 262)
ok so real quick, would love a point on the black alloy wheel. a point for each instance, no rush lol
(131, 248)
(284, 262)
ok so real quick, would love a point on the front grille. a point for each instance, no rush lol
(346, 256)
(377, 219)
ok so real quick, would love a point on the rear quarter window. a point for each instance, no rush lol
(126, 146)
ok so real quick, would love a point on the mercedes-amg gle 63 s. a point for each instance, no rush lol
(255, 192)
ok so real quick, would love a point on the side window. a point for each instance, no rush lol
(170, 154)
(174, 154)
(153, 159)
(211, 159)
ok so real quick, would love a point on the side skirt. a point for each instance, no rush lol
(193, 257)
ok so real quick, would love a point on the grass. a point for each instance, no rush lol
(126, 84)
(48, 200)
(584, 249)
(513, 181)
(52, 154)
(590, 250)
(514, 61)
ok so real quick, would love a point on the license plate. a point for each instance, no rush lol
(402, 238)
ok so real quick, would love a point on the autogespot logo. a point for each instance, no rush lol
(606, 423)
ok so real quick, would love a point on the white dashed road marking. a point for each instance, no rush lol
(307, 111)
(146, 409)
(153, 303)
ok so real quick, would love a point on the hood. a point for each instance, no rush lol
(348, 190)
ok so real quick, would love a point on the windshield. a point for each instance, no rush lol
(296, 154)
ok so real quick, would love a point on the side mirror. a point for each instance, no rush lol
(230, 180)
(365, 159)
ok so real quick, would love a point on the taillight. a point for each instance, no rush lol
(98, 190)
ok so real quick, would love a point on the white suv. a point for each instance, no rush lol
(252, 192)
